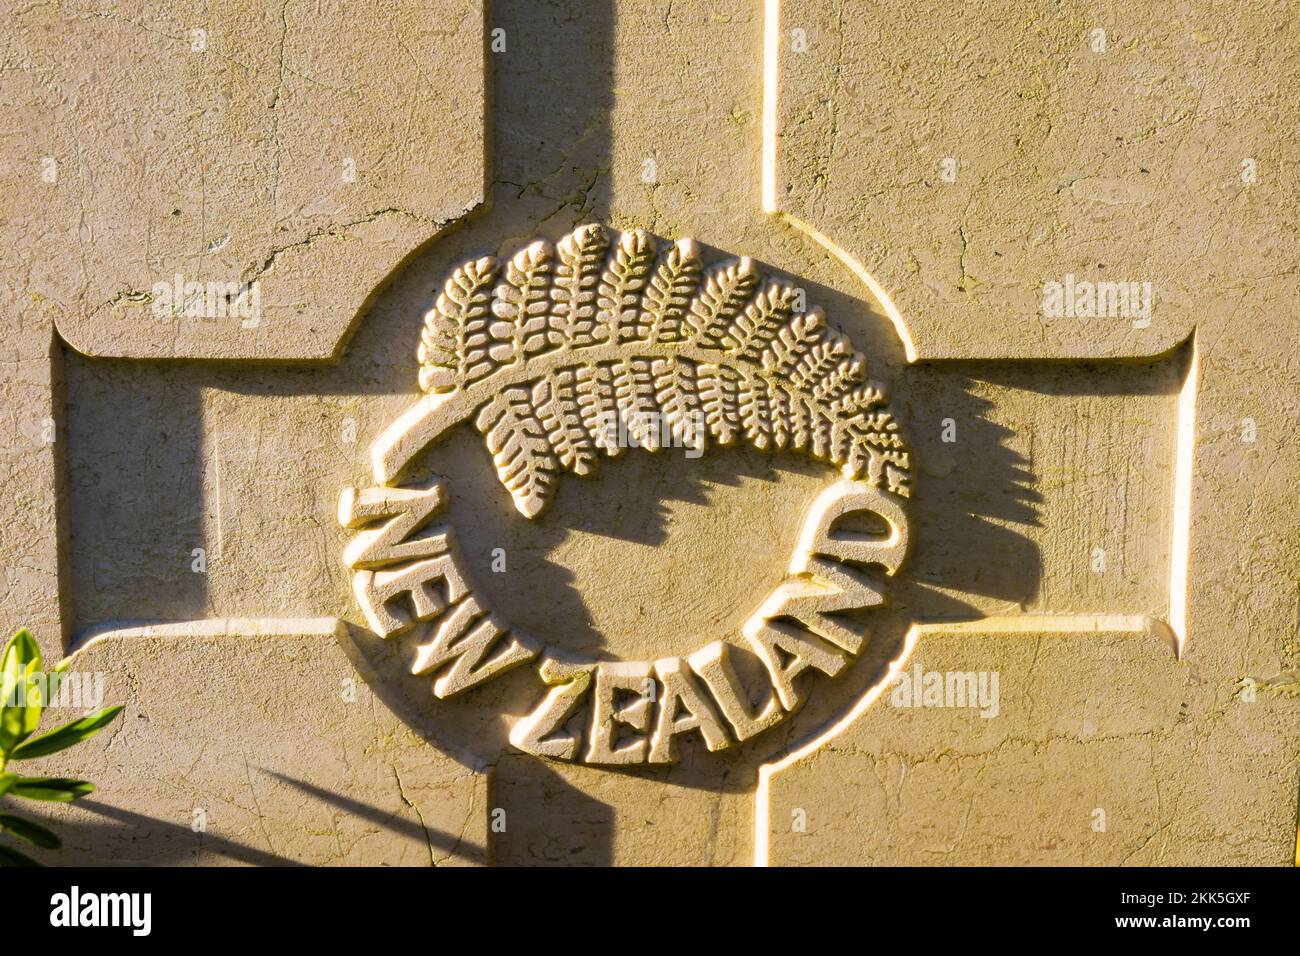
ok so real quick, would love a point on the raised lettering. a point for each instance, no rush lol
(681, 693)
(539, 732)
(628, 677)
(463, 638)
(713, 664)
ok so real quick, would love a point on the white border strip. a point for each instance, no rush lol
(771, 72)
(212, 627)
(1180, 546)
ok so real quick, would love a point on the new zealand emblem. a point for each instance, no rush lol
(590, 347)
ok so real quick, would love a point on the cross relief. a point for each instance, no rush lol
(639, 471)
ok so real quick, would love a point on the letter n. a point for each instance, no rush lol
(407, 510)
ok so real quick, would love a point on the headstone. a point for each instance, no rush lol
(702, 434)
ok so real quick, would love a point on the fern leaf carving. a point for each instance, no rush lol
(724, 292)
(755, 410)
(634, 390)
(454, 341)
(801, 423)
(556, 401)
(523, 302)
(668, 297)
(754, 329)
(598, 406)
(679, 401)
(821, 435)
(793, 341)
(618, 297)
(593, 345)
(520, 451)
(779, 401)
(842, 380)
(859, 398)
(841, 442)
(820, 361)
(719, 391)
(581, 257)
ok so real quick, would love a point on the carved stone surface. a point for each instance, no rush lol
(1099, 510)
(621, 344)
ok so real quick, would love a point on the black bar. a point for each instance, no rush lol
(440, 907)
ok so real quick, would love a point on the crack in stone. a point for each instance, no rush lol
(428, 839)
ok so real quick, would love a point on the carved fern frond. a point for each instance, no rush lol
(520, 449)
(634, 391)
(677, 395)
(751, 331)
(454, 341)
(755, 409)
(792, 342)
(820, 361)
(719, 391)
(556, 400)
(522, 304)
(598, 405)
(573, 299)
(780, 401)
(802, 417)
(621, 283)
(723, 294)
(584, 348)
(668, 297)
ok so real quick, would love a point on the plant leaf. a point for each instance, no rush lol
(7, 780)
(618, 296)
(54, 679)
(521, 452)
(22, 704)
(73, 732)
(58, 789)
(9, 857)
(19, 652)
(31, 832)
(555, 400)
(581, 257)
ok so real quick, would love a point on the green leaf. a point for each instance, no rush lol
(32, 832)
(7, 780)
(10, 857)
(21, 657)
(21, 702)
(73, 732)
(61, 789)
(54, 679)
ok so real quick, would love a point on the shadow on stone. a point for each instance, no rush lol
(124, 838)
(546, 820)
(438, 841)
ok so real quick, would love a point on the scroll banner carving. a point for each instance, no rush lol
(567, 353)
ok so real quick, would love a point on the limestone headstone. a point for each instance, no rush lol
(757, 432)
